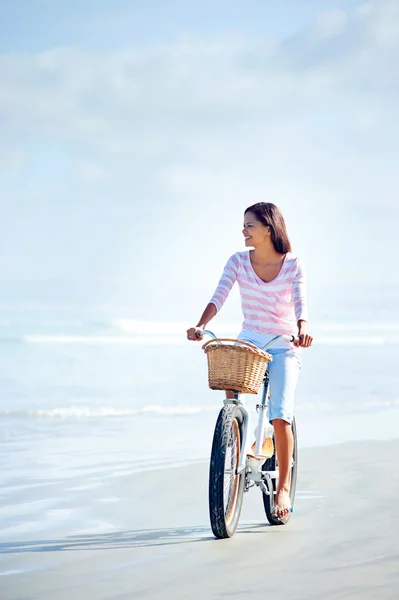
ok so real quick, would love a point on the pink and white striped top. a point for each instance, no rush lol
(271, 308)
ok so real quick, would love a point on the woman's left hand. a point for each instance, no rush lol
(305, 340)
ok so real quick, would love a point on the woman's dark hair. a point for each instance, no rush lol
(270, 216)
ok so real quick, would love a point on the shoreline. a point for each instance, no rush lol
(26, 501)
(148, 535)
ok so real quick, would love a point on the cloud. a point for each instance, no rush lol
(12, 160)
(201, 82)
(90, 173)
(194, 98)
(331, 24)
(308, 121)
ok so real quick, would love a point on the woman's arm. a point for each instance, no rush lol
(208, 314)
(225, 284)
(300, 305)
(227, 280)
(299, 294)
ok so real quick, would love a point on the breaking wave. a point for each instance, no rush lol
(128, 331)
(88, 412)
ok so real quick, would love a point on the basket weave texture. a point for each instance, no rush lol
(235, 365)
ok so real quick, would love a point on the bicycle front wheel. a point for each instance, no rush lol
(271, 465)
(226, 486)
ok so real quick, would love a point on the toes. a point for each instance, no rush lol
(281, 512)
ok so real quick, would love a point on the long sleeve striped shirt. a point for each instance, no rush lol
(271, 308)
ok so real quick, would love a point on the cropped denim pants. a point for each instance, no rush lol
(283, 374)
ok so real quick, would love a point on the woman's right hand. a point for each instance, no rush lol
(192, 334)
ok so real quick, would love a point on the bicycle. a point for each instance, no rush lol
(233, 470)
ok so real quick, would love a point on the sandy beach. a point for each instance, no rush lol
(148, 536)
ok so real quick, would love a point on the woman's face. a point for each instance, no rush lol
(254, 231)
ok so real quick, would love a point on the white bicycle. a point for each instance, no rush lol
(234, 467)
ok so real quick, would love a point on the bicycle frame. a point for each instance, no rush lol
(253, 465)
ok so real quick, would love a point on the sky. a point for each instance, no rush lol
(133, 135)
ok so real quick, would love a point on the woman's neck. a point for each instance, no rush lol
(266, 254)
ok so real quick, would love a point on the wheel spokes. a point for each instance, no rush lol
(231, 479)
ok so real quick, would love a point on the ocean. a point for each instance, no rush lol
(87, 400)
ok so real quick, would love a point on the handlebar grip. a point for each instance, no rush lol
(291, 338)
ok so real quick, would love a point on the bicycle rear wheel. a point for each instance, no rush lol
(271, 465)
(226, 487)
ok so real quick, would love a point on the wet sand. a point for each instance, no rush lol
(148, 536)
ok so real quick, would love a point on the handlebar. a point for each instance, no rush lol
(288, 338)
(200, 334)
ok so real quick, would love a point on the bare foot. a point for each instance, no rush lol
(282, 504)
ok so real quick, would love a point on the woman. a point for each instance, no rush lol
(273, 300)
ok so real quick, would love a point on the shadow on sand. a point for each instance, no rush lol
(123, 539)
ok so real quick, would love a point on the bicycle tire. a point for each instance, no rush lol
(270, 465)
(228, 430)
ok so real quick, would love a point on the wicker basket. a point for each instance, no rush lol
(235, 365)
